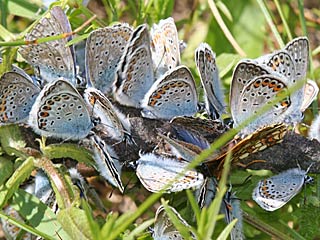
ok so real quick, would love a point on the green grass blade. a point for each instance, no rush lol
(293, 233)
(270, 22)
(142, 208)
(266, 228)
(283, 19)
(227, 230)
(139, 229)
(24, 226)
(225, 29)
(4, 12)
(23, 8)
(194, 205)
(183, 229)
(18, 177)
(5, 34)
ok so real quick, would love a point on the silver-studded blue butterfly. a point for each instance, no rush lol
(274, 192)
(155, 172)
(209, 75)
(174, 94)
(135, 72)
(51, 59)
(104, 49)
(60, 112)
(17, 95)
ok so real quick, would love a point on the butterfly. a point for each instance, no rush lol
(259, 140)
(182, 149)
(17, 94)
(165, 46)
(44, 191)
(20, 71)
(164, 228)
(291, 61)
(12, 231)
(155, 172)
(135, 72)
(112, 123)
(256, 82)
(311, 91)
(314, 132)
(206, 193)
(174, 94)
(51, 59)
(248, 94)
(274, 192)
(206, 64)
(207, 128)
(107, 162)
(104, 49)
(231, 208)
(60, 112)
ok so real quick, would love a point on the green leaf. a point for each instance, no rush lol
(11, 140)
(6, 167)
(75, 223)
(250, 31)
(23, 9)
(20, 224)
(38, 215)
(226, 62)
(18, 177)
(68, 150)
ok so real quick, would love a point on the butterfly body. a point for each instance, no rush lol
(112, 123)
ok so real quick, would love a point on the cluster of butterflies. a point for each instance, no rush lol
(141, 69)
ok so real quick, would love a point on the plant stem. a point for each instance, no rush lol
(225, 29)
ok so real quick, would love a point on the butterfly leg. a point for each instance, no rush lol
(250, 163)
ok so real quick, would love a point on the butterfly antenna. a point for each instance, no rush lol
(308, 169)
(128, 138)
(127, 184)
